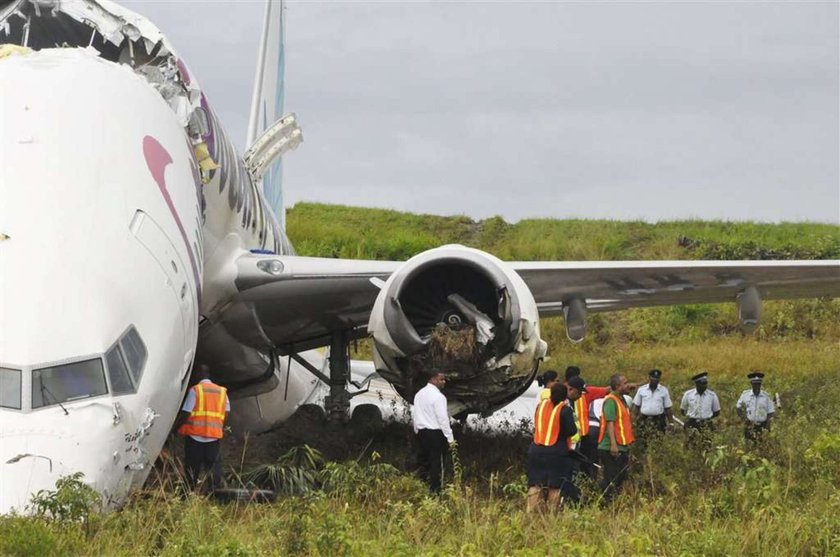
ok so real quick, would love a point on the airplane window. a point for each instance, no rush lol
(118, 372)
(10, 388)
(135, 353)
(68, 382)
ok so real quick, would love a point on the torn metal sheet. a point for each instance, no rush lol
(116, 34)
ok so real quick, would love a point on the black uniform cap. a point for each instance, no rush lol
(702, 377)
(655, 373)
(755, 377)
(578, 383)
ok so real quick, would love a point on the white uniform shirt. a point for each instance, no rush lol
(652, 402)
(700, 407)
(757, 407)
(596, 408)
(429, 411)
(189, 404)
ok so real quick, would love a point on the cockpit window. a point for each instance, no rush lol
(135, 353)
(118, 372)
(68, 382)
(10, 388)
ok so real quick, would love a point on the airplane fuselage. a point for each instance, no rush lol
(112, 237)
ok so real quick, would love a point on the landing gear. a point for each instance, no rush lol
(337, 403)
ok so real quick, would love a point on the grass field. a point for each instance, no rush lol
(353, 493)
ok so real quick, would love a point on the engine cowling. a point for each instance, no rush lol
(453, 290)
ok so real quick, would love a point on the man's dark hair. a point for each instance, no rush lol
(550, 375)
(572, 371)
(615, 381)
(558, 393)
(199, 373)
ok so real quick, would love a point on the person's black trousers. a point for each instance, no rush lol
(431, 448)
(653, 423)
(754, 431)
(589, 449)
(569, 488)
(616, 469)
(202, 458)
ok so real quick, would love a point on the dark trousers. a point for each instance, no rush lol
(615, 472)
(754, 432)
(431, 448)
(648, 428)
(202, 458)
(653, 424)
(569, 489)
(589, 448)
(699, 433)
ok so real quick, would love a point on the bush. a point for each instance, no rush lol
(71, 501)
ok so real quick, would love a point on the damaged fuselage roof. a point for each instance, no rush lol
(117, 34)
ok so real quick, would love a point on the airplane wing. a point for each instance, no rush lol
(299, 302)
(617, 285)
(308, 298)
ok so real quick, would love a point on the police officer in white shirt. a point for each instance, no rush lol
(652, 405)
(431, 424)
(700, 404)
(755, 407)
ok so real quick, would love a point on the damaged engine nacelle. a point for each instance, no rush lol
(463, 312)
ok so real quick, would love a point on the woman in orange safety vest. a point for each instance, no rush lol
(549, 464)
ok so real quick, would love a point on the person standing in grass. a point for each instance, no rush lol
(431, 424)
(615, 437)
(550, 467)
(755, 407)
(201, 421)
(652, 406)
(700, 404)
(587, 423)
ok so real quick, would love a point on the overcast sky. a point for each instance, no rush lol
(714, 110)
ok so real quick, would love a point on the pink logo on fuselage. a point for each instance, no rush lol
(157, 159)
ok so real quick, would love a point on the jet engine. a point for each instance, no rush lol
(463, 312)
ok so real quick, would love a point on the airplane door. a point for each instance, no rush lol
(149, 233)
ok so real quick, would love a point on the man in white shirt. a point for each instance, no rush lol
(755, 407)
(652, 405)
(700, 404)
(431, 424)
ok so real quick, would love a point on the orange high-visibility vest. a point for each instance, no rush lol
(582, 415)
(207, 418)
(623, 425)
(547, 424)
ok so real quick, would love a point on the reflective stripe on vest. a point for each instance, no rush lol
(547, 424)
(207, 418)
(623, 425)
(582, 415)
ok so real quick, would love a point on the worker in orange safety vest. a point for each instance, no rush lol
(550, 467)
(201, 421)
(615, 437)
(588, 445)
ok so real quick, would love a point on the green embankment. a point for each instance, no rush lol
(682, 498)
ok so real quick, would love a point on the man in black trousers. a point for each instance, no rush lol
(434, 433)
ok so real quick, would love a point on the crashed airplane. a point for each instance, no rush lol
(135, 242)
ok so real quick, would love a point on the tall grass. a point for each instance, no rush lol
(681, 499)
(721, 498)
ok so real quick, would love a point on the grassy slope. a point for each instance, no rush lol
(683, 500)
